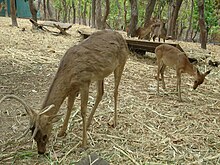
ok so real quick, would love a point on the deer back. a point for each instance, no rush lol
(98, 56)
(167, 54)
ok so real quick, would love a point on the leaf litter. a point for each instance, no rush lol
(152, 129)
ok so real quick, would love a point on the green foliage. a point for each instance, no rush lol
(211, 17)
(24, 155)
(215, 29)
(161, 10)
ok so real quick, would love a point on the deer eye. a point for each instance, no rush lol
(32, 128)
(196, 81)
(44, 138)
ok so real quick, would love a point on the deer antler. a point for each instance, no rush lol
(27, 108)
(46, 109)
(24, 134)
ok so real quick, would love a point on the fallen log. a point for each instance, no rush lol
(140, 46)
(63, 27)
(135, 44)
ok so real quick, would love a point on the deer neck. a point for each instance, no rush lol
(56, 95)
(191, 70)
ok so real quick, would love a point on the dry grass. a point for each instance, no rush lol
(152, 129)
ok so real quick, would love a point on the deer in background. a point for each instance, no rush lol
(159, 30)
(93, 59)
(171, 56)
(143, 32)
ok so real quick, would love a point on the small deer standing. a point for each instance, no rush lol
(143, 32)
(159, 30)
(171, 56)
(93, 59)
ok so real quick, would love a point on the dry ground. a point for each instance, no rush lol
(152, 129)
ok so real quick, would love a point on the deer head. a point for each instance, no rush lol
(200, 78)
(40, 123)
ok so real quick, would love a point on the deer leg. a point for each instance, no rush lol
(100, 92)
(84, 101)
(158, 75)
(154, 37)
(117, 75)
(162, 75)
(71, 99)
(179, 84)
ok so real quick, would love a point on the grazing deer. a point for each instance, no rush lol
(93, 59)
(171, 56)
(159, 30)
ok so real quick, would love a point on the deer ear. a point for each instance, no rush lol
(206, 73)
(55, 118)
(197, 71)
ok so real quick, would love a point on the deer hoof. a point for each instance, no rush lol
(61, 134)
(112, 123)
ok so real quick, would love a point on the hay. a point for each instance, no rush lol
(151, 129)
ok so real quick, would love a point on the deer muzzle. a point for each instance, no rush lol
(41, 148)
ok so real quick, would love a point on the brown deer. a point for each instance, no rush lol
(159, 30)
(93, 59)
(171, 56)
(143, 32)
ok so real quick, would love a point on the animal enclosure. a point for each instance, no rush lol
(152, 129)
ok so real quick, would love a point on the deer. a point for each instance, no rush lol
(92, 60)
(159, 30)
(171, 56)
(143, 32)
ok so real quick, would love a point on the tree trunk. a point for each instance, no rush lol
(90, 15)
(65, 10)
(13, 13)
(125, 16)
(118, 22)
(174, 16)
(190, 22)
(69, 13)
(148, 12)
(84, 13)
(33, 10)
(50, 13)
(79, 12)
(202, 24)
(169, 15)
(59, 11)
(182, 27)
(107, 6)
(134, 18)
(160, 9)
(98, 14)
(93, 13)
(74, 12)
(45, 11)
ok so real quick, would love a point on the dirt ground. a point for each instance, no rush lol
(152, 129)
